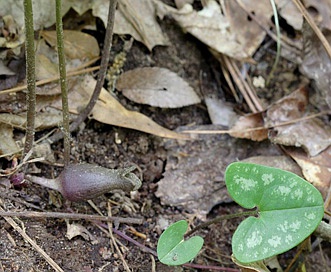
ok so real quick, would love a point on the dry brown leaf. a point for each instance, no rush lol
(158, 87)
(311, 134)
(321, 11)
(288, 108)
(316, 170)
(137, 18)
(43, 120)
(248, 122)
(8, 144)
(74, 230)
(45, 68)
(77, 45)
(109, 111)
(220, 112)
(224, 34)
(316, 65)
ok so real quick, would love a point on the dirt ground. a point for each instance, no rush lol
(99, 144)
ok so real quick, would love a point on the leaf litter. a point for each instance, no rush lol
(205, 24)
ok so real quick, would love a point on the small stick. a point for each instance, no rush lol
(72, 216)
(228, 131)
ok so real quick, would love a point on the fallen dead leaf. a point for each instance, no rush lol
(43, 120)
(220, 112)
(77, 45)
(316, 170)
(288, 108)
(316, 65)
(74, 230)
(45, 68)
(138, 19)
(311, 134)
(320, 10)
(242, 126)
(43, 12)
(7, 144)
(158, 87)
(109, 111)
(216, 30)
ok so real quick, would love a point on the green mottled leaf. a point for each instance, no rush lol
(171, 247)
(289, 210)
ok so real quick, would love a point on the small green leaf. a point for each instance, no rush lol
(289, 209)
(171, 247)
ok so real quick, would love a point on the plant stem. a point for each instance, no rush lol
(220, 218)
(63, 82)
(31, 78)
(102, 72)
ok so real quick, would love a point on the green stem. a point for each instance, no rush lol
(102, 72)
(63, 82)
(274, 66)
(31, 78)
(220, 218)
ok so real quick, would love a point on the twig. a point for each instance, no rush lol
(72, 216)
(141, 246)
(31, 78)
(27, 238)
(63, 82)
(115, 243)
(229, 131)
(77, 71)
(102, 73)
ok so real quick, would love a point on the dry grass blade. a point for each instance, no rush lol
(79, 71)
(126, 266)
(247, 92)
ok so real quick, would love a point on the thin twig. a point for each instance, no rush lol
(102, 73)
(63, 81)
(78, 71)
(27, 238)
(141, 246)
(31, 78)
(110, 228)
(229, 131)
(72, 216)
